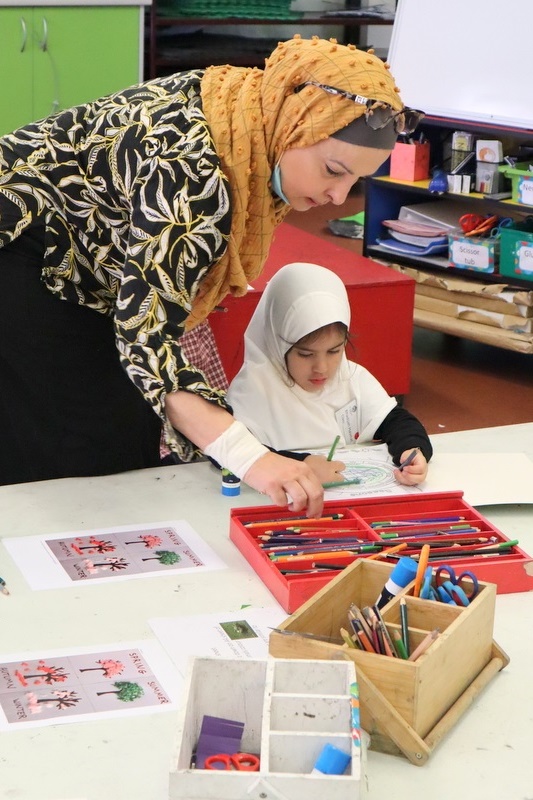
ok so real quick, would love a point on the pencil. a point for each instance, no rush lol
(411, 457)
(399, 645)
(333, 448)
(335, 484)
(387, 552)
(287, 521)
(404, 624)
(424, 644)
(421, 570)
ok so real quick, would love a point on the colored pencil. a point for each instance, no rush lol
(424, 644)
(333, 448)
(421, 569)
(404, 624)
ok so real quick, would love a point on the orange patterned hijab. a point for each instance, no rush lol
(254, 116)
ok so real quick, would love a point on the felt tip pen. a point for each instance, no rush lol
(333, 448)
(3, 587)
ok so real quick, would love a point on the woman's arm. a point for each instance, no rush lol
(207, 425)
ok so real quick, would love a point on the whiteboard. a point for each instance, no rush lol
(466, 59)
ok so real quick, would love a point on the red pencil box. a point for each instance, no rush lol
(507, 569)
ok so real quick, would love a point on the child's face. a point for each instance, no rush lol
(314, 363)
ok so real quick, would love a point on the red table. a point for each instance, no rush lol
(381, 302)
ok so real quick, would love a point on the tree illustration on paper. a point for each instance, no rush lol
(111, 564)
(167, 557)
(94, 546)
(126, 691)
(109, 667)
(148, 539)
(44, 674)
(60, 700)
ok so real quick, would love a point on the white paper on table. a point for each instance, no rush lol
(51, 561)
(484, 478)
(225, 634)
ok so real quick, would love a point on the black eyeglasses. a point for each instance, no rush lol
(377, 114)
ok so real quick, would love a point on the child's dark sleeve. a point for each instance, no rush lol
(290, 454)
(401, 431)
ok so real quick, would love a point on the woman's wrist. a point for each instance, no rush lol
(236, 449)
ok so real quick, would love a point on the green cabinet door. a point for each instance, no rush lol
(16, 69)
(83, 53)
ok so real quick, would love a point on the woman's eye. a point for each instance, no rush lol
(331, 171)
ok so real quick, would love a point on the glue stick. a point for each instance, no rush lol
(231, 485)
(403, 573)
(331, 761)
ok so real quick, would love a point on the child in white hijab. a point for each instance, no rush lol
(297, 390)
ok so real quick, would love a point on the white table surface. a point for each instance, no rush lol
(487, 754)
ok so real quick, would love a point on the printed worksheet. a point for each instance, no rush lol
(225, 634)
(83, 684)
(369, 473)
(110, 554)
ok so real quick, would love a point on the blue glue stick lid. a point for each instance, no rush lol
(404, 572)
(332, 761)
(231, 485)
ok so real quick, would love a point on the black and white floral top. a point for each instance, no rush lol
(136, 209)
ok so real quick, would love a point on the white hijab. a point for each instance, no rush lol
(298, 300)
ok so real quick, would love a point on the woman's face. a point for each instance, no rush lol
(325, 172)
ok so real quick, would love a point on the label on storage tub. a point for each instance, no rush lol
(468, 254)
(524, 257)
(525, 191)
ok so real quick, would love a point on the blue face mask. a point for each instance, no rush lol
(276, 183)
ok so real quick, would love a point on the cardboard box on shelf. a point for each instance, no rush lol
(511, 322)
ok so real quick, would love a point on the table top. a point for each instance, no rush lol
(487, 753)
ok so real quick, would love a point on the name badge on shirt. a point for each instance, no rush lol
(346, 418)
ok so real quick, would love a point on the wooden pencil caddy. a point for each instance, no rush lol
(407, 707)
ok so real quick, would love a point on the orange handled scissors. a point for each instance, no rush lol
(244, 762)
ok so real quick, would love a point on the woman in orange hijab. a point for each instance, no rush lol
(149, 206)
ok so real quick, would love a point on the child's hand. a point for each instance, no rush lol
(326, 471)
(413, 473)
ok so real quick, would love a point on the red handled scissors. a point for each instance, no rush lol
(446, 580)
(475, 225)
(244, 762)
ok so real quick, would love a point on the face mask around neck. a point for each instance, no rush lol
(276, 183)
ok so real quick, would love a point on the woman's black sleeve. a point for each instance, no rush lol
(400, 430)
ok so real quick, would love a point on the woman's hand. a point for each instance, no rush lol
(415, 472)
(286, 480)
(326, 471)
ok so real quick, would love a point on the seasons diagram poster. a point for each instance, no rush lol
(110, 554)
(80, 684)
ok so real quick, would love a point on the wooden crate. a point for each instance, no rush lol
(406, 706)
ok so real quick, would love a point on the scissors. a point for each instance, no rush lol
(504, 222)
(451, 584)
(430, 592)
(475, 225)
(244, 762)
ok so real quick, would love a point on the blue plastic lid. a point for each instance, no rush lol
(404, 572)
(332, 761)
